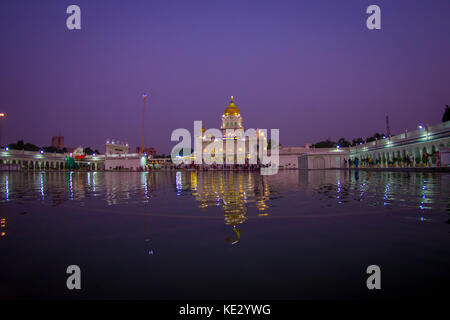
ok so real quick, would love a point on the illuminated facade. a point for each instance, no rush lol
(428, 146)
(11, 160)
(231, 118)
(116, 147)
(235, 147)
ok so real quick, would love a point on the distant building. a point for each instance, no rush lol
(116, 147)
(289, 157)
(118, 157)
(58, 142)
(149, 151)
(324, 159)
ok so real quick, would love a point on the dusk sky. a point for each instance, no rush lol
(310, 68)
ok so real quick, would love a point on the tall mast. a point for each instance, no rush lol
(144, 96)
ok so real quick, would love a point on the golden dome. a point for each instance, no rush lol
(232, 109)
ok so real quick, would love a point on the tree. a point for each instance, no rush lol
(357, 141)
(88, 150)
(20, 145)
(343, 143)
(50, 149)
(325, 144)
(376, 136)
(446, 116)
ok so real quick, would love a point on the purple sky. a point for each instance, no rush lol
(310, 68)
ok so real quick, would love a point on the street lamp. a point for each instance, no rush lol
(2, 116)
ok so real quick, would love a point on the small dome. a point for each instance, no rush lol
(232, 109)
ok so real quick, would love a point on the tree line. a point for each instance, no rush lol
(20, 145)
(344, 143)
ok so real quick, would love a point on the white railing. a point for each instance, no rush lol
(424, 134)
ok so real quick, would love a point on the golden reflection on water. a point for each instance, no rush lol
(232, 192)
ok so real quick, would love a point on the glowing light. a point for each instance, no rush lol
(71, 185)
(41, 151)
(420, 127)
(179, 182)
(42, 187)
(2, 115)
(6, 149)
(6, 188)
(338, 146)
(93, 183)
(145, 185)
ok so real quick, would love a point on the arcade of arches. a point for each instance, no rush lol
(424, 147)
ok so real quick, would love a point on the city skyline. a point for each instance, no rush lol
(311, 69)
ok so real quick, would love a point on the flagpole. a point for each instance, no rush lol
(143, 110)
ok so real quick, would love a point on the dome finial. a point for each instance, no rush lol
(232, 109)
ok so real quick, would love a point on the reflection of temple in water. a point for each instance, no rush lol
(231, 191)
